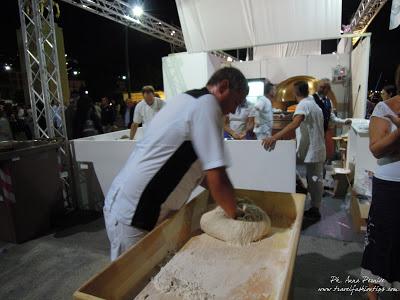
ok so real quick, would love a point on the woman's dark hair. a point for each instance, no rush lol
(301, 88)
(391, 90)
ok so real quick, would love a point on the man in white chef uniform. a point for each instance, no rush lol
(308, 121)
(182, 144)
(264, 117)
(145, 110)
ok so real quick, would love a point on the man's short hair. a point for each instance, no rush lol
(148, 89)
(268, 88)
(236, 79)
(301, 88)
(325, 80)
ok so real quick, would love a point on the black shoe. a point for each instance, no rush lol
(313, 213)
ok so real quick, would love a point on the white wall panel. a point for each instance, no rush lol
(279, 69)
(251, 166)
(250, 69)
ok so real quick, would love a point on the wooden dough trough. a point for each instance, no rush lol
(269, 263)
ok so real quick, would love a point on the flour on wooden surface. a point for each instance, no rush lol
(207, 268)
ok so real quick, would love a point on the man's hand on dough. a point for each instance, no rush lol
(239, 213)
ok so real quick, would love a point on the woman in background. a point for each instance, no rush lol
(388, 91)
(381, 258)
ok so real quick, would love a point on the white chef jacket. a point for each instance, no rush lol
(183, 140)
(310, 135)
(144, 113)
(264, 116)
(238, 120)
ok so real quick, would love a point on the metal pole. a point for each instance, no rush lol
(38, 32)
(128, 73)
(350, 99)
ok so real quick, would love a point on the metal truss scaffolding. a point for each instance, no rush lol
(121, 12)
(42, 65)
(43, 75)
(366, 12)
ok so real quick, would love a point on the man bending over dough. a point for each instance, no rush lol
(184, 142)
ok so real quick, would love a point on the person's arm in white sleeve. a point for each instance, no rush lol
(298, 117)
(206, 136)
(251, 119)
(137, 119)
(257, 111)
(336, 120)
(259, 104)
(270, 117)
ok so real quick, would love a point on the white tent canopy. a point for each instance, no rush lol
(230, 24)
(288, 49)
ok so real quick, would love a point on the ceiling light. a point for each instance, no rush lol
(137, 11)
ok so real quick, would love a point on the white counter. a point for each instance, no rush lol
(251, 166)
(359, 157)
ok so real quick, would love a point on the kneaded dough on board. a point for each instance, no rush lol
(254, 225)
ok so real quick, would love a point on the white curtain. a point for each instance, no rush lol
(185, 71)
(344, 45)
(288, 49)
(231, 24)
(359, 70)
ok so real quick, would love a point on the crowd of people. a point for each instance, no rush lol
(83, 117)
(16, 121)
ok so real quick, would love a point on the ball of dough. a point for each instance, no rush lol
(251, 227)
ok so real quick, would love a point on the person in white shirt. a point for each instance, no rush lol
(264, 116)
(308, 122)
(380, 262)
(183, 143)
(145, 110)
(240, 124)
